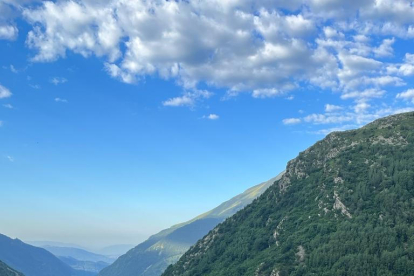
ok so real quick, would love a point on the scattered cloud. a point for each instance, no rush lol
(407, 95)
(9, 106)
(8, 32)
(4, 92)
(34, 86)
(385, 49)
(58, 80)
(10, 158)
(291, 121)
(13, 69)
(1, 123)
(188, 98)
(264, 48)
(211, 117)
(332, 108)
(60, 100)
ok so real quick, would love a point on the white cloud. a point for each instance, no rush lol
(291, 121)
(10, 158)
(60, 100)
(385, 49)
(212, 117)
(58, 80)
(366, 94)
(332, 108)
(361, 107)
(8, 32)
(9, 106)
(266, 93)
(188, 99)
(4, 92)
(327, 118)
(1, 123)
(406, 95)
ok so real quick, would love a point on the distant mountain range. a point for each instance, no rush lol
(80, 259)
(34, 261)
(6, 270)
(153, 256)
(112, 251)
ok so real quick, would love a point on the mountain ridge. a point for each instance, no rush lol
(33, 261)
(343, 207)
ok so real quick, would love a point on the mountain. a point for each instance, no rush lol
(93, 267)
(153, 256)
(5, 270)
(33, 261)
(78, 254)
(80, 259)
(345, 206)
(43, 244)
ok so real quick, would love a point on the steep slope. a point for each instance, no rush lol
(33, 261)
(344, 207)
(152, 257)
(5, 270)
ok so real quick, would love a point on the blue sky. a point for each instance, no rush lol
(120, 118)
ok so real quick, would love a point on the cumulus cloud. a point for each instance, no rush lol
(253, 46)
(4, 92)
(265, 48)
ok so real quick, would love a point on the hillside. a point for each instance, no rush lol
(153, 256)
(33, 261)
(344, 207)
(5, 270)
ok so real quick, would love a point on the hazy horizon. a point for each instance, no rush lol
(119, 118)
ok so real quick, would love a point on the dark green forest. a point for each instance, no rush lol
(345, 206)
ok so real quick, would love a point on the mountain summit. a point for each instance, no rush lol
(344, 207)
(153, 256)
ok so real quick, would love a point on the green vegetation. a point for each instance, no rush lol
(5, 270)
(345, 206)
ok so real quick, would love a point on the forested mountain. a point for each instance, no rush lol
(345, 206)
(153, 256)
(33, 261)
(5, 270)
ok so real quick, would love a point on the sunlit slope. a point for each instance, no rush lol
(151, 257)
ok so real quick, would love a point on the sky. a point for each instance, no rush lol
(121, 118)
